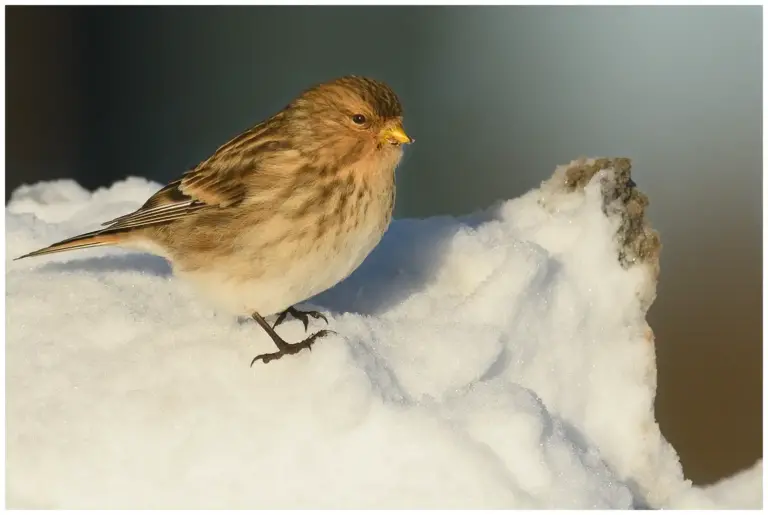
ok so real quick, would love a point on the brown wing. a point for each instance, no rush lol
(168, 204)
(216, 183)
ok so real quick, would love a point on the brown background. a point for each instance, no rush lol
(496, 97)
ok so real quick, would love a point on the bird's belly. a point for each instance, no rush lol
(283, 277)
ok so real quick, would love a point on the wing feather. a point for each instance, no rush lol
(216, 183)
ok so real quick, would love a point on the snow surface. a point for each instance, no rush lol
(499, 360)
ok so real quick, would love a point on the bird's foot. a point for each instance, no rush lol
(299, 315)
(290, 348)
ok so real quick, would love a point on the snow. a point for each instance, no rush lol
(497, 360)
(742, 491)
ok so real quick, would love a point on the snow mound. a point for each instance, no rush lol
(499, 360)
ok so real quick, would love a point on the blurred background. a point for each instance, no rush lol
(496, 98)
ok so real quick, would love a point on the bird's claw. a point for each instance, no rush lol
(303, 316)
(292, 348)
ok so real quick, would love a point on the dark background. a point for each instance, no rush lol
(496, 97)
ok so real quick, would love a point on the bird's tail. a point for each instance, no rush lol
(83, 241)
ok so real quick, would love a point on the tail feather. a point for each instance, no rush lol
(82, 241)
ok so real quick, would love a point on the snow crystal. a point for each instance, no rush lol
(499, 360)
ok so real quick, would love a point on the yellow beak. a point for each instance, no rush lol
(396, 135)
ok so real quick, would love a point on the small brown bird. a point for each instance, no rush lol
(280, 213)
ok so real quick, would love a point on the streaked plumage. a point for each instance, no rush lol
(281, 212)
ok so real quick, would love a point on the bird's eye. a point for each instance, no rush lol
(358, 119)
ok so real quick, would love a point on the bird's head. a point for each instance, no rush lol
(354, 117)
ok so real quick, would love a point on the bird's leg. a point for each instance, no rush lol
(299, 315)
(283, 346)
